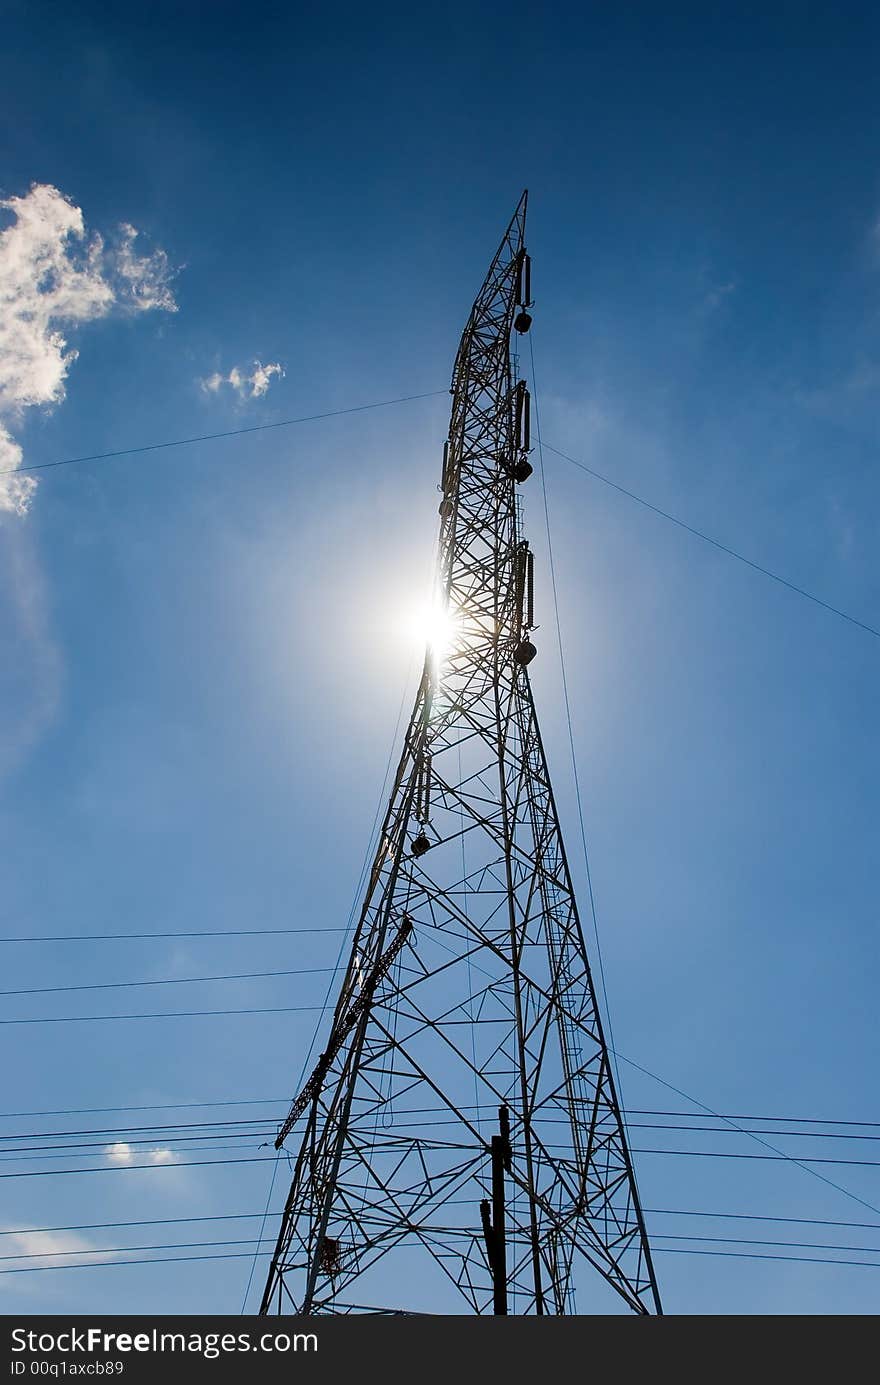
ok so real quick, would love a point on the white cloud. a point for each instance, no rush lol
(252, 386)
(15, 491)
(54, 277)
(122, 1153)
(162, 1156)
(262, 376)
(143, 278)
(119, 1153)
(53, 1247)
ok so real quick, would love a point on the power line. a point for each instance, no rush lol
(404, 1111)
(750, 1255)
(251, 1240)
(26, 1154)
(246, 1255)
(759, 1139)
(50, 1151)
(266, 1126)
(117, 1225)
(164, 1015)
(686, 1153)
(122, 1250)
(213, 437)
(773, 1158)
(746, 1241)
(411, 398)
(574, 764)
(156, 1106)
(265, 1218)
(148, 1130)
(133, 1168)
(115, 1264)
(715, 543)
(124, 937)
(753, 1216)
(253, 1216)
(745, 1130)
(732, 1116)
(164, 1155)
(416, 1110)
(401, 1127)
(168, 1131)
(167, 981)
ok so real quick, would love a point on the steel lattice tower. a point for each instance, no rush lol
(462, 1126)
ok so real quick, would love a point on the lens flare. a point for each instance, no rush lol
(435, 627)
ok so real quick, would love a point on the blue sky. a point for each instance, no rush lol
(203, 649)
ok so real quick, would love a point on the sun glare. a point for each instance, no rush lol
(434, 627)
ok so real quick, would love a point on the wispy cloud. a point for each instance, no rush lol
(717, 295)
(162, 1156)
(246, 386)
(53, 278)
(143, 280)
(856, 384)
(122, 1153)
(53, 1247)
(32, 676)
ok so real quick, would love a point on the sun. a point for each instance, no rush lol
(434, 627)
(439, 629)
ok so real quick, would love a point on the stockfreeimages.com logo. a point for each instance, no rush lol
(210, 1345)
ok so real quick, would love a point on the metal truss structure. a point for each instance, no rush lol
(460, 1140)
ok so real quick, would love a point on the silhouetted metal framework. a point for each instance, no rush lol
(462, 1127)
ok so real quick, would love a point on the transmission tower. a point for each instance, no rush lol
(460, 1142)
